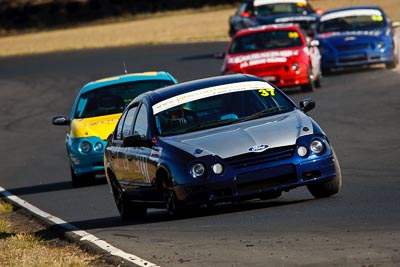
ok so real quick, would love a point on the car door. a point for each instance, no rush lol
(117, 153)
(140, 166)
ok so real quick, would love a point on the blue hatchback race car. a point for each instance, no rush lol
(95, 113)
(220, 139)
(356, 36)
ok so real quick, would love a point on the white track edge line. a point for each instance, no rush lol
(85, 236)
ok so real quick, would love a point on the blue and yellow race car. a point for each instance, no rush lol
(95, 113)
(356, 36)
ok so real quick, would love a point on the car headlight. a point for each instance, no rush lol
(98, 147)
(380, 45)
(295, 66)
(317, 146)
(302, 151)
(85, 147)
(217, 168)
(198, 170)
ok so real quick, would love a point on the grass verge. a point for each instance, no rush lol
(20, 245)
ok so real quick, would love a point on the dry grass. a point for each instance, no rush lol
(172, 27)
(25, 249)
(5, 207)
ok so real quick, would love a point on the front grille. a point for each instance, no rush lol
(262, 185)
(270, 155)
(346, 48)
(262, 69)
(353, 58)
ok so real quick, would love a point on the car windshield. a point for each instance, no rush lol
(265, 40)
(353, 20)
(299, 8)
(114, 98)
(219, 110)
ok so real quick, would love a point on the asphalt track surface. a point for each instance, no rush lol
(359, 110)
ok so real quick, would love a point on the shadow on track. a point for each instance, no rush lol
(60, 186)
(159, 215)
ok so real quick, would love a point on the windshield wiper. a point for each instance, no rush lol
(264, 113)
(209, 124)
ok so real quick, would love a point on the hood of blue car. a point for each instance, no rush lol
(251, 136)
(350, 36)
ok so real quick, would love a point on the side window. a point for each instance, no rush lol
(141, 124)
(126, 128)
(118, 134)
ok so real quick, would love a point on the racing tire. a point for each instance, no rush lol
(328, 188)
(174, 206)
(318, 81)
(81, 180)
(310, 86)
(127, 210)
(325, 71)
(393, 64)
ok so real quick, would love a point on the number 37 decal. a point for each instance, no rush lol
(267, 92)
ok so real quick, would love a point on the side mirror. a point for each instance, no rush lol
(307, 104)
(61, 120)
(135, 141)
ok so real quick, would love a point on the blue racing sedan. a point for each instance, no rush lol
(219, 139)
(356, 36)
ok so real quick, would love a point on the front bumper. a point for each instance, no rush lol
(355, 58)
(255, 183)
(84, 163)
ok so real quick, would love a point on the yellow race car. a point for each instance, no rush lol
(95, 113)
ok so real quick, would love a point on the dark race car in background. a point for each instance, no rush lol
(219, 139)
(280, 54)
(264, 12)
(356, 36)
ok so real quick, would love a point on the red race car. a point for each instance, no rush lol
(280, 54)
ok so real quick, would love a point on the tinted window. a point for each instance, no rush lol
(141, 124)
(283, 8)
(222, 109)
(127, 127)
(114, 98)
(266, 40)
(344, 21)
(119, 126)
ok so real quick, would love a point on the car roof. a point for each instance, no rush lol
(346, 11)
(352, 8)
(131, 77)
(265, 2)
(185, 87)
(271, 27)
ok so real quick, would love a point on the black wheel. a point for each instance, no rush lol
(81, 180)
(328, 188)
(393, 64)
(309, 87)
(318, 81)
(127, 210)
(173, 205)
(325, 71)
